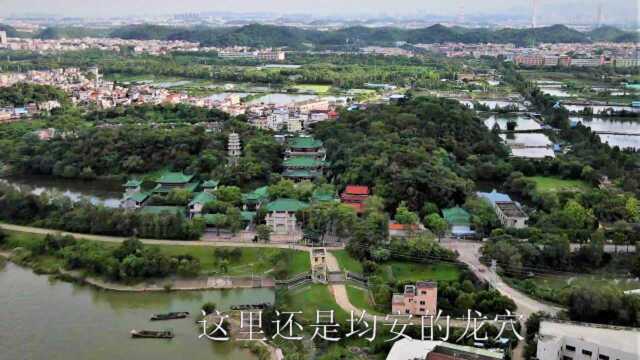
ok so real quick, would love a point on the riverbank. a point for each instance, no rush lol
(176, 284)
(221, 268)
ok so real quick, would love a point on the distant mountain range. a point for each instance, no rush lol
(257, 35)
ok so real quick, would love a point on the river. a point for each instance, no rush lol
(42, 318)
(618, 125)
(98, 192)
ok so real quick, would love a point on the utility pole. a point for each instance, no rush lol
(494, 272)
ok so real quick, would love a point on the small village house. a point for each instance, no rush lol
(421, 299)
(508, 211)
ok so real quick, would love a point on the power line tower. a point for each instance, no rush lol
(599, 16)
(460, 18)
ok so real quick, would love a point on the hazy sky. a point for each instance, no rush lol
(96, 8)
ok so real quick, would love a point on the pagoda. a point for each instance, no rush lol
(234, 148)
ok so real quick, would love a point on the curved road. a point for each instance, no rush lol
(469, 253)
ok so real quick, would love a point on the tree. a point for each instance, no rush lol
(465, 302)
(437, 224)
(219, 221)
(263, 232)
(229, 194)
(234, 219)
(404, 216)
(633, 209)
(283, 189)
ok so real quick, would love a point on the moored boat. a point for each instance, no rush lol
(152, 334)
(170, 316)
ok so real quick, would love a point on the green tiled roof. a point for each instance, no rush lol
(210, 184)
(323, 197)
(289, 205)
(300, 173)
(456, 216)
(174, 178)
(162, 209)
(304, 143)
(256, 195)
(138, 196)
(159, 189)
(248, 215)
(303, 162)
(202, 198)
(133, 183)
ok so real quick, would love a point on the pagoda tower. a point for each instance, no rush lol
(235, 149)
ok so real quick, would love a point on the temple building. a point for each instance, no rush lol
(196, 205)
(210, 186)
(300, 168)
(132, 186)
(305, 146)
(255, 199)
(174, 180)
(355, 196)
(282, 215)
(304, 159)
(234, 148)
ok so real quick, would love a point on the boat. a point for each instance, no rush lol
(170, 316)
(152, 334)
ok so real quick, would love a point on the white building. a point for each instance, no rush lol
(562, 340)
(3, 38)
(511, 215)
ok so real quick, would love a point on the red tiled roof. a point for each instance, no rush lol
(357, 190)
(353, 198)
(396, 226)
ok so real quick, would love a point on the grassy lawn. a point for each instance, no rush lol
(406, 271)
(346, 262)
(317, 88)
(360, 299)
(255, 261)
(552, 184)
(308, 299)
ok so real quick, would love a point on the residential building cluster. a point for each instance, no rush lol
(151, 47)
(564, 54)
(247, 53)
(89, 87)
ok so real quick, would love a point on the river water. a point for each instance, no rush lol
(617, 125)
(45, 319)
(98, 192)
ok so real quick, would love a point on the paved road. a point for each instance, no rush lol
(118, 239)
(470, 254)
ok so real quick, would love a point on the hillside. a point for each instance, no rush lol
(256, 35)
(610, 33)
(11, 32)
